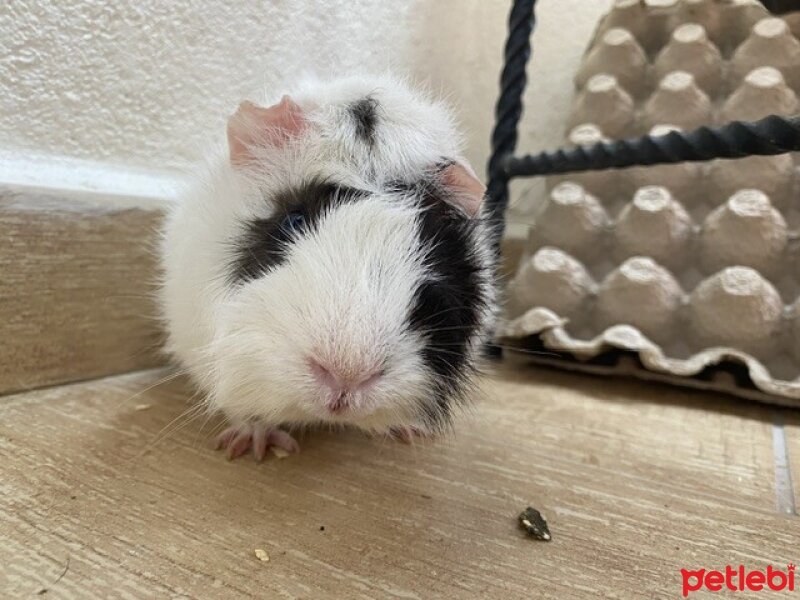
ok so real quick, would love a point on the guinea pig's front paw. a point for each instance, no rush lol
(237, 439)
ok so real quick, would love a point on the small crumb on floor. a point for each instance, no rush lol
(534, 523)
(261, 554)
(279, 452)
(322, 527)
(142, 406)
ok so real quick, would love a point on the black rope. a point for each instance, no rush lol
(780, 7)
(772, 135)
(508, 111)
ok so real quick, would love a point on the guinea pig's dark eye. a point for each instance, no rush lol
(293, 222)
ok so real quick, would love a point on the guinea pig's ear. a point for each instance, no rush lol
(468, 191)
(253, 125)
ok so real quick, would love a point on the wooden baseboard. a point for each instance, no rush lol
(76, 289)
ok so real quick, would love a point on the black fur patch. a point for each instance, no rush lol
(365, 114)
(265, 242)
(448, 306)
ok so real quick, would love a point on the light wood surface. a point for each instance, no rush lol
(793, 450)
(75, 290)
(636, 482)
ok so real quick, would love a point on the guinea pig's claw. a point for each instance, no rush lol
(239, 445)
(280, 439)
(259, 442)
(237, 440)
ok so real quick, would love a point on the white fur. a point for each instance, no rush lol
(344, 293)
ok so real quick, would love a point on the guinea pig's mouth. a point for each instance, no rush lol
(344, 394)
(346, 405)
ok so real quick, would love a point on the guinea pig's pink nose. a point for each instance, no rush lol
(339, 385)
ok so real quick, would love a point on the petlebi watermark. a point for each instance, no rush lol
(739, 579)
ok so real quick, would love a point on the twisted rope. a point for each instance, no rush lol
(508, 110)
(780, 7)
(771, 135)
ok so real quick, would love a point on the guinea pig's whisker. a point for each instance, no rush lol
(446, 362)
(451, 378)
(445, 311)
(156, 348)
(450, 328)
(155, 384)
(209, 415)
(437, 348)
(174, 426)
(464, 347)
(527, 351)
(507, 347)
(181, 421)
(217, 429)
(494, 220)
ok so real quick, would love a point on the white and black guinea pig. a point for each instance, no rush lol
(331, 266)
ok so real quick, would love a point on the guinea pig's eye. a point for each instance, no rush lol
(293, 222)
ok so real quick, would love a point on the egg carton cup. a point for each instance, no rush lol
(688, 272)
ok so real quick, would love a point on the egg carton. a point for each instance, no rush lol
(686, 272)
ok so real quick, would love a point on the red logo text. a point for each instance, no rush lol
(738, 580)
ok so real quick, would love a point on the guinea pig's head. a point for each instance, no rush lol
(360, 278)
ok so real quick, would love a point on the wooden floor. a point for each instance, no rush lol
(105, 495)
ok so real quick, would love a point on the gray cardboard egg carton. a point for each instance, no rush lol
(688, 272)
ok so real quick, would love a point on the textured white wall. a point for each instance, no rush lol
(141, 84)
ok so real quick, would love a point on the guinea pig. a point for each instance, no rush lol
(332, 265)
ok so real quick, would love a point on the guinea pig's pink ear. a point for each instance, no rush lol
(468, 191)
(251, 126)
